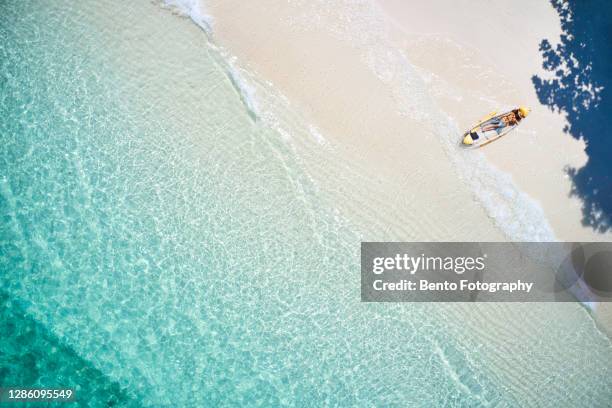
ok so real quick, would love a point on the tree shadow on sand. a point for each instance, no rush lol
(580, 88)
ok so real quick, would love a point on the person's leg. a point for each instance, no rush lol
(492, 126)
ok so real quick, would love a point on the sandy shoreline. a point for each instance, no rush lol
(319, 58)
(359, 115)
(343, 68)
(501, 47)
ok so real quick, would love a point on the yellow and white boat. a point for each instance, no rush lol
(490, 128)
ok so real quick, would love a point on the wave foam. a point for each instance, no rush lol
(244, 89)
(193, 9)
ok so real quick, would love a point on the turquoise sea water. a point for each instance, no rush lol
(159, 246)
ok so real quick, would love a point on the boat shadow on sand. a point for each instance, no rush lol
(580, 88)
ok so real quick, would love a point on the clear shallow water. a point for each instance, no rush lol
(175, 253)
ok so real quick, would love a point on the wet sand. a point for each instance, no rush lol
(390, 87)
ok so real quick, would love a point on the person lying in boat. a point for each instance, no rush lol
(509, 119)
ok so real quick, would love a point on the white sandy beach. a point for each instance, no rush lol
(342, 68)
(389, 86)
(498, 54)
(341, 65)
